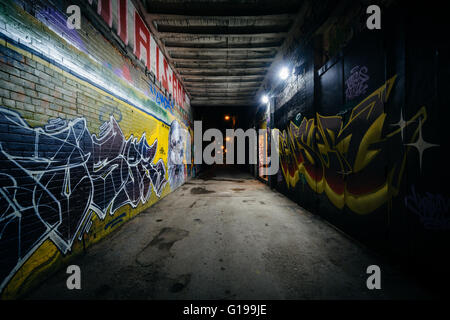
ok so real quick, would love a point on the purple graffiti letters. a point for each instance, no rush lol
(356, 82)
(431, 208)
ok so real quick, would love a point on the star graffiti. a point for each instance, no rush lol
(401, 123)
(421, 144)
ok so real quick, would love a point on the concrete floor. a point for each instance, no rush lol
(228, 236)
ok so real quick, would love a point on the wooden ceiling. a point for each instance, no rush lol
(221, 49)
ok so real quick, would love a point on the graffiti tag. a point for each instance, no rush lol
(356, 82)
(53, 178)
(431, 208)
(161, 99)
(348, 161)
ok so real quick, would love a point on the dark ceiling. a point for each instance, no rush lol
(221, 49)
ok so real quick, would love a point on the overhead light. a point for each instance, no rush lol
(227, 117)
(265, 99)
(284, 73)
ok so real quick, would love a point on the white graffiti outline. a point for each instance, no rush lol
(48, 169)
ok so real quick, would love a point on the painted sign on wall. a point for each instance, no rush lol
(137, 35)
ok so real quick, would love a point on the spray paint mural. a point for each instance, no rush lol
(430, 207)
(51, 190)
(356, 83)
(342, 160)
(177, 153)
(83, 148)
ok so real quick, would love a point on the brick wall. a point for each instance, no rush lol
(84, 140)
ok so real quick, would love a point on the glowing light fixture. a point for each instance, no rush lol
(265, 99)
(227, 138)
(227, 117)
(284, 73)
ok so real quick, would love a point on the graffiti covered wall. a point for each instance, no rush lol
(337, 158)
(358, 153)
(86, 141)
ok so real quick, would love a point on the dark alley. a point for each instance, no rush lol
(227, 236)
(257, 151)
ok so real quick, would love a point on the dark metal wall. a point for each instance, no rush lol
(367, 152)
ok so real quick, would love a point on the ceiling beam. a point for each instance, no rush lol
(206, 65)
(214, 53)
(224, 71)
(213, 73)
(224, 43)
(230, 85)
(222, 47)
(223, 30)
(223, 78)
(225, 102)
(248, 83)
(198, 80)
(222, 96)
(201, 59)
(200, 8)
(212, 56)
(204, 92)
(225, 89)
(192, 35)
(173, 17)
(224, 92)
(211, 99)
